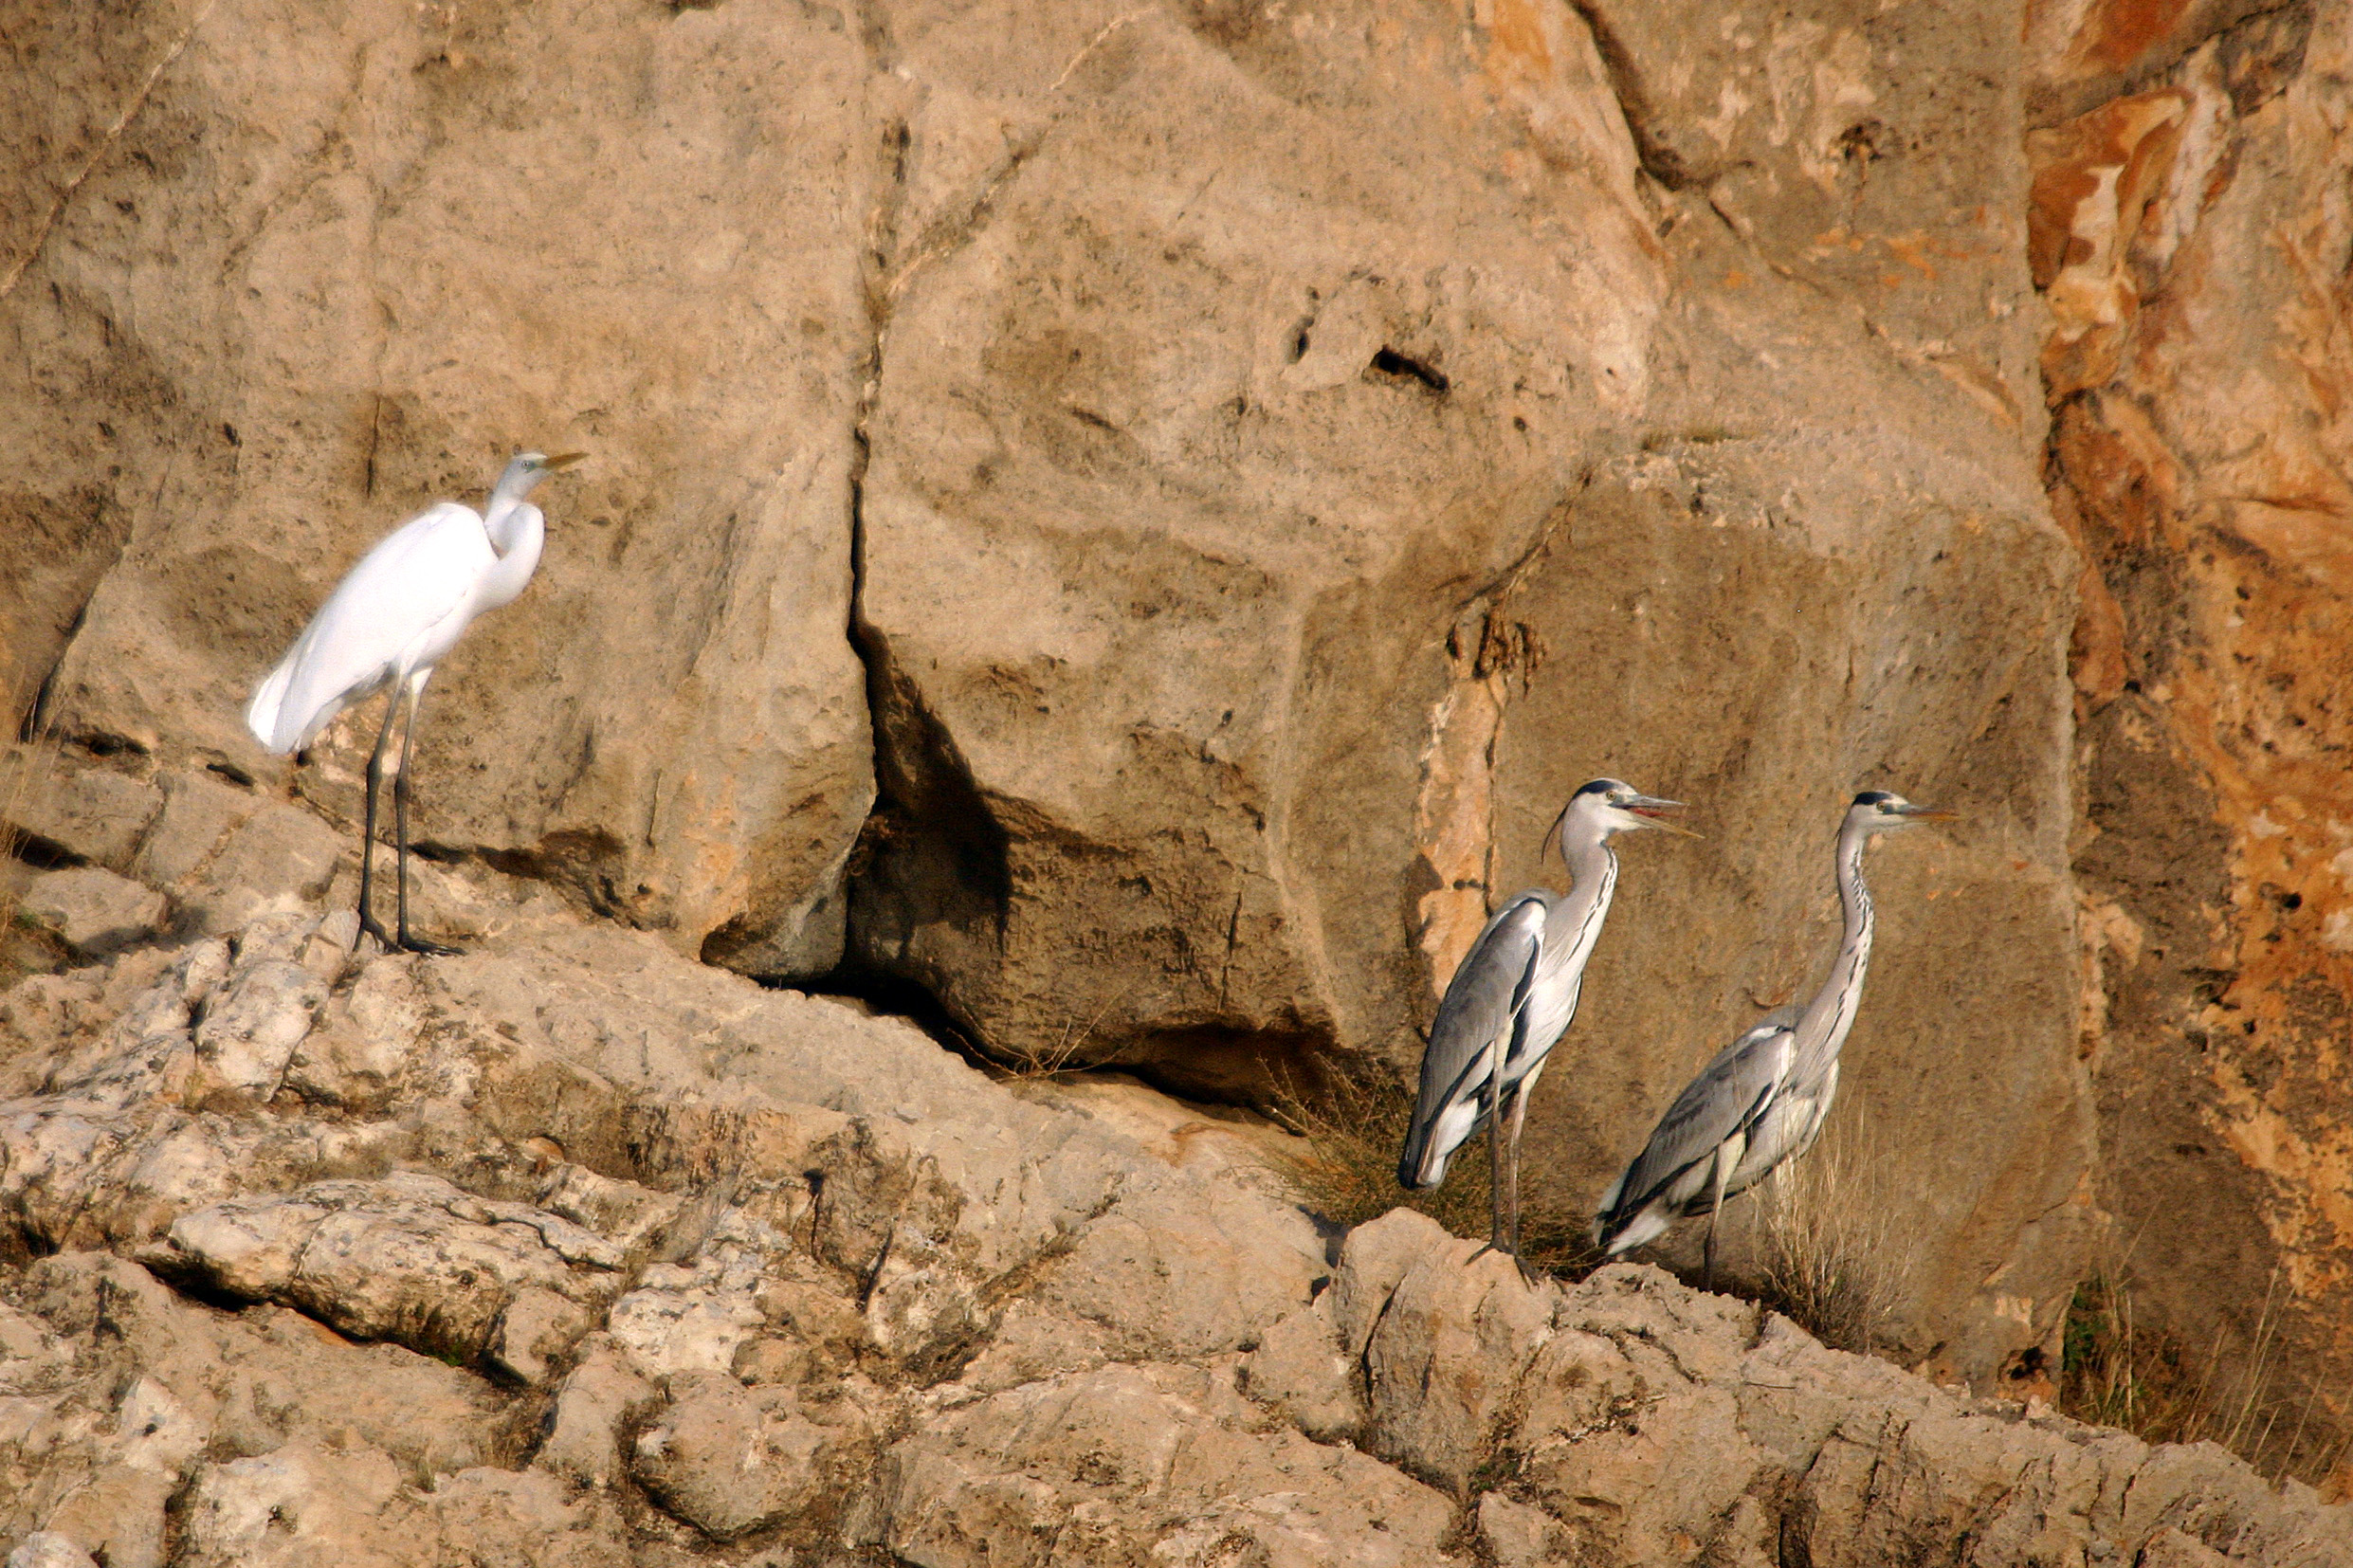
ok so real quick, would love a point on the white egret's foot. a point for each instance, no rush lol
(408, 943)
(371, 926)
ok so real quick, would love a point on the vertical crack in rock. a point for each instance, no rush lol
(1658, 161)
(930, 850)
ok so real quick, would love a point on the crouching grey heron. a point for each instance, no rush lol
(386, 624)
(1762, 1100)
(1511, 998)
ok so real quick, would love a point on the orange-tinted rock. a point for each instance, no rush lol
(2203, 449)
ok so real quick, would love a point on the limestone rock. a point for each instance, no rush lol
(724, 465)
(93, 814)
(249, 1040)
(306, 1504)
(1517, 1535)
(1643, 1421)
(409, 1259)
(92, 911)
(599, 1398)
(1221, 487)
(744, 1265)
(48, 1549)
(1161, 1463)
(1298, 1368)
(2202, 464)
(129, 1392)
(731, 1459)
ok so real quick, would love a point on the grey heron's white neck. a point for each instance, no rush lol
(1828, 1017)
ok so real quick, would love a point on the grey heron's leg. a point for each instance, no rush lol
(415, 690)
(1494, 1151)
(1495, 1146)
(368, 924)
(1519, 1120)
(1727, 1155)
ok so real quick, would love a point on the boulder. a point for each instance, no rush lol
(671, 720)
(730, 1459)
(92, 912)
(411, 1259)
(88, 814)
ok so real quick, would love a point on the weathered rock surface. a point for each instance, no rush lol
(2193, 237)
(1130, 520)
(654, 1262)
(1212, 482)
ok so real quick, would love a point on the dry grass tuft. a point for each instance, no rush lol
(2117, 1370)
(1348, 1173)
(26, 767)
(1832, 1256)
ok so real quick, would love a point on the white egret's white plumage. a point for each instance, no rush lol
(1512, 997)
(1764, 1097)
(388, 623)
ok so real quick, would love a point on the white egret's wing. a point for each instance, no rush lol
(1728, 1096)
(1482, 1005)
(417, 577)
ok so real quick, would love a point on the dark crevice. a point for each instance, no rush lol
(1390, 362)
(896, 996)
(42, 854)
(1658, 161)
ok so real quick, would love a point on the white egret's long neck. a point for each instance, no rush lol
(517, 532)
(1592, 880)
(1823, 1029)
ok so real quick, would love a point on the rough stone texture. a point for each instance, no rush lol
(409, 1259)
(55, 809)
(2192, 238)
(1263, 463)
(92, 912)
(1648, 1423)
(707, 762)
(1212, 477)
(621, 1258)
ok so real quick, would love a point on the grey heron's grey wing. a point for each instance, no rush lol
(1482, 1003)
(1728, 1095)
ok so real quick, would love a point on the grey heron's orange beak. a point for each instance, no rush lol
(562, 460)
(1927, 813)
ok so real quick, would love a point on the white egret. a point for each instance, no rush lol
(1512, 997)
(386, 624)
(1764, 1099)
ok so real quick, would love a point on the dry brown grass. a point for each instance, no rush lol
(1832, 1255)
(2117, 1370)
(1347, 1172)
(26, 767)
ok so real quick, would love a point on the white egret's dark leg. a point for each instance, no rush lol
(400, 817)
(368, 924)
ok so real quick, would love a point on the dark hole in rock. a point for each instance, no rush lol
(1390, 362)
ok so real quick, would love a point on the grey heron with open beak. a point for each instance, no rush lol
(1511, 1000)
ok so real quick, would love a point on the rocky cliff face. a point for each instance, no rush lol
(1127, 523)
(2193, 236)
